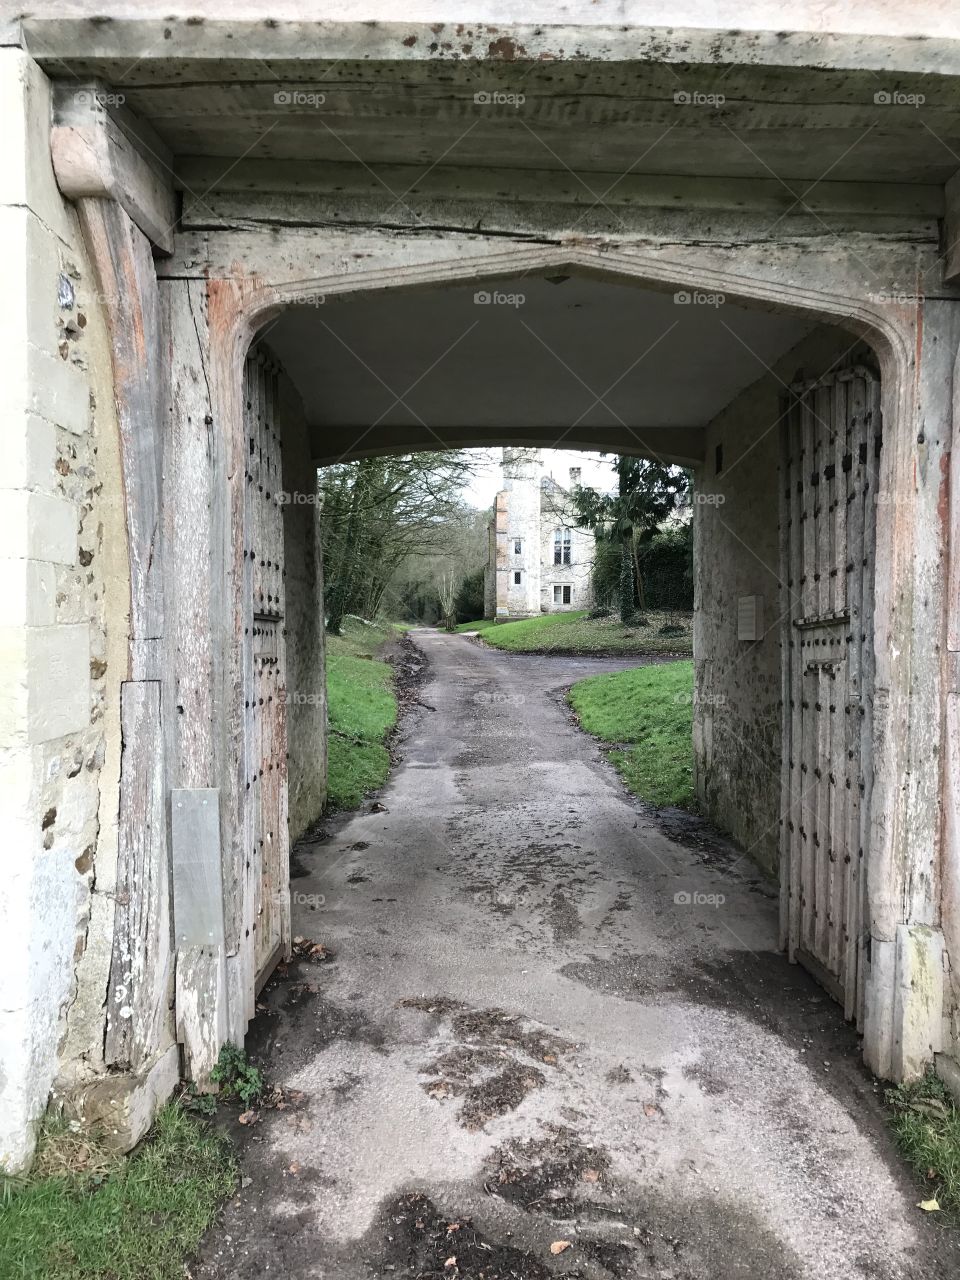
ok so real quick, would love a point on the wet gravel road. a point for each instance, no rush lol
(551, 1041)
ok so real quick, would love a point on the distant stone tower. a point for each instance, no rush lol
(514, 585)
(538, 560)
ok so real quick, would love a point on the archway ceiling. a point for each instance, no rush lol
(583, 362)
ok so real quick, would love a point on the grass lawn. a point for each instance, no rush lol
(86, 1215)
(651, 709)
(576, 633)
(926, 1122)
(361, 709)
(481, 624)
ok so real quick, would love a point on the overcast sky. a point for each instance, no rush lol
(597, 472)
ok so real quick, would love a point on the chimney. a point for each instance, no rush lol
(574, 477)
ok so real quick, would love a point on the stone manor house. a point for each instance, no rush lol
(538, 561)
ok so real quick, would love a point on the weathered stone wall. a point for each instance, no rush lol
(63, 628)
(490, 568)
(518, 508)
(736, 553)
(306, 679)
(556, 513)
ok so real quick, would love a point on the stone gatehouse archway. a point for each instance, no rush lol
(249, 281)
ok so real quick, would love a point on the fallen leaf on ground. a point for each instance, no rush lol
(295, 1167)
(649, 1109)
(248, 1117)
(591, 1175)
(560, 1246)
(307, 949)
(929, 1206)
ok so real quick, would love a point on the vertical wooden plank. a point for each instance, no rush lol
(201, 997)
(189, 448)
(267, 648)
(204, 468)
(253, 619)
(796, 677)
(807, 799)
(830, 927)
(838, 749)
(272, 888)
(141, 970)
(139, 1022)
(786, 763)
(128, 288)
(202, 1005)
(247, 939)
(821, 401)
(856, 410)
(874, 438)
(281, 872)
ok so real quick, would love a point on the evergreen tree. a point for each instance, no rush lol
(646, 494)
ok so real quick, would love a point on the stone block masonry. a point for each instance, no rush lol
(59, 531)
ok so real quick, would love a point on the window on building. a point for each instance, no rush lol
(517, 546)
(516, 577)
(561, 546)
(562, 595)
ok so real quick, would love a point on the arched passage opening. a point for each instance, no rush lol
(776, 412)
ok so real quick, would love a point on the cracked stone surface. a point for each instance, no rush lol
(529, 1057)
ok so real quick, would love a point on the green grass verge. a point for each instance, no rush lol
(576, 633)
(362, 710)
(133, 1218)
(481, 624)
(926, 1122)
(651, 708)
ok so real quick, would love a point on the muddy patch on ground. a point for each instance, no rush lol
(442, 1006)
(416, 1239)
(494, 1062)
(411, 670)
(552, 1174)
(709, 1081)
(564, 917)
(489, 1082)
(296, 1017)
(761, 986)
(619, 1075)
(417, 1235)
(616, 1230)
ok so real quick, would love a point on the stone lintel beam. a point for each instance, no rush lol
(102, 150)
(681, 446)
(281, 190)
(156, 44)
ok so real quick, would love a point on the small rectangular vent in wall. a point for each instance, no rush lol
(718, 459)
(748, 617)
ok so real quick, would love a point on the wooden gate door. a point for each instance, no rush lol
(831, 436)
(265, 729)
